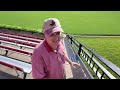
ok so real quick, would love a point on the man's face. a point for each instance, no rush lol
(53, 39)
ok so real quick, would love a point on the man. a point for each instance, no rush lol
(49, 56)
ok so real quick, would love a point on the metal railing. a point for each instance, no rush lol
(102, 67)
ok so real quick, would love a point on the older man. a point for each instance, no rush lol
(49, 56)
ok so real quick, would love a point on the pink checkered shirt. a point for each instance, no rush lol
(46, 63)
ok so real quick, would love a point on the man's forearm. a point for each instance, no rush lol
(68, 60)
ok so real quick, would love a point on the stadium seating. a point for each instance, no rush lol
(22, 41)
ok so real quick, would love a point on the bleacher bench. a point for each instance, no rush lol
(20, 37)
(16, 50)
(17, 41)
(30, 37)
(16, 44)
(26, 68)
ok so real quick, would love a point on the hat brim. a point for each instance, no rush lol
(53, 30)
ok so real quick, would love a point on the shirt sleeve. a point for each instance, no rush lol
(64, 50)
(38, 68)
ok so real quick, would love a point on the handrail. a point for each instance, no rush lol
(79, 45)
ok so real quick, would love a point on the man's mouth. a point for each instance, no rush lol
(56, 41)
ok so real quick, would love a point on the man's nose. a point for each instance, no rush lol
(57, 37)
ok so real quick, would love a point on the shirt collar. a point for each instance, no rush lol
(48, 47)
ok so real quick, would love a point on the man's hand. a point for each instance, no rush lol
(74, 64)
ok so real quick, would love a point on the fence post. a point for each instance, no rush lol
(80, 45)
(67, 35)
(71, 39)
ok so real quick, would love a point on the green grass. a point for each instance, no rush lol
(73, 22)
(108, 47)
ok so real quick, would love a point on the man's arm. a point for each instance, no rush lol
(67, 59)
(73, 64)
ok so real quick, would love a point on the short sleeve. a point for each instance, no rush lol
(63, 49)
